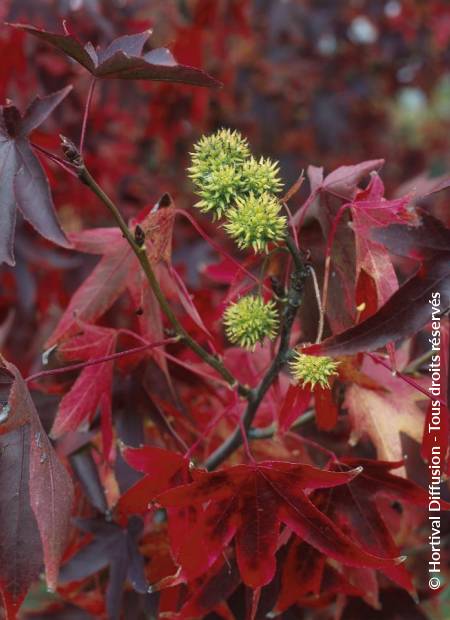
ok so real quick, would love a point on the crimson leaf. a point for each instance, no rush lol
(250, 502)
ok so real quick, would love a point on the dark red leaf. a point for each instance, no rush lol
(123, 59)
(407, 311)
(93, 385)
(295, 403)
(216, 588)
(418, 242)
(250, 502)
(21, 556)
(353, 506)
(47, 487)
(301, 575)
(23, 183)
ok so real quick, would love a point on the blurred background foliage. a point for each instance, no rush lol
(320, 82)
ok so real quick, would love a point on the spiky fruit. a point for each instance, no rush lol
(312, 369)
(219, 190)
(250, 320)
(225, 147)
(255, 221)
(259, 176)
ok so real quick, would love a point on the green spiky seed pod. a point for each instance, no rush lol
(219, 190)
(261, 176)
(312, 369)
(255, 221)
(250, 320)
(225, 147)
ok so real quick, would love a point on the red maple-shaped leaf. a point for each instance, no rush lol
(23, 182)
(250, 502)
(123, 58)
(164, 470)
(117, 271)
(36, 495)
(353, 506)
(384, 414)
(92, 389)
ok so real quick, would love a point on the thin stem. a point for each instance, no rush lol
(55, 159)
(319, 305)
(86, 114)
(193, 368)
(292, 226)
(379, 360)
(248, 452)
(295, 294)
(267, 432)
(212, 424)
(418, 362)
(141, 254)
(215, 245)
(99, 360)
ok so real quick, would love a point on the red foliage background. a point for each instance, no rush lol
(310, 84)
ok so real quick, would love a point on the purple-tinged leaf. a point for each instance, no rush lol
(217, 588)
(415, 241)
(422, 185)
(40, 109)
(315, 176)
(20, 544)
(131, 44)
(51, 497)
(23, 183)
(111, 546)
(123, 59)
(403, 315)
(50, 487)
(66, 43)
(86, 471)
(343, 182)
(161, 56)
